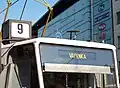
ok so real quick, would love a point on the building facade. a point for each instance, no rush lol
(102, 21)
(116, 21)
(93, 18)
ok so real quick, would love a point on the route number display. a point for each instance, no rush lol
(21, 30)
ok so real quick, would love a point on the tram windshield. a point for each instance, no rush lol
(77, 67)
(51, 53)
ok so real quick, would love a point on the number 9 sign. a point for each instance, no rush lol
(21, 30)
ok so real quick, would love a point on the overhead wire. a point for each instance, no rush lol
(10, 6)
(23, 9)
(45, 1)
(46, 5)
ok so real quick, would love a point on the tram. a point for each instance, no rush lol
(59, 63)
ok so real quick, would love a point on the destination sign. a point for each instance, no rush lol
(77, 56)
(63, 54)
(72, 54)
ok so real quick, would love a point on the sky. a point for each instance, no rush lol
(33, 10)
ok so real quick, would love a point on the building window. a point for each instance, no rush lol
(118, 17)
(119, 42)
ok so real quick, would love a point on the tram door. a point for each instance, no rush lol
(66, 80)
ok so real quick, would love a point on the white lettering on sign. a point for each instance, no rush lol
(77, 55)
(21, 30)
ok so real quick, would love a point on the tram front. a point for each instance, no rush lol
(68, 64)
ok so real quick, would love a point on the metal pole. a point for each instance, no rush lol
(70, 35)
(92, 23)
(112, 13)
(66, 76)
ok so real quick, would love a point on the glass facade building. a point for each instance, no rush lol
(93, 18)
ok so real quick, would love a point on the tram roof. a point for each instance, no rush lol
(63, 42)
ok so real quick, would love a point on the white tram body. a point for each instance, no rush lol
(58, 63)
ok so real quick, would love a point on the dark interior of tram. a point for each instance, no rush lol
(65, 80)
(24, 57)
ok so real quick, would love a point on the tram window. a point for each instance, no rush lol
(75, 55)
(24, 57)
(65, 80)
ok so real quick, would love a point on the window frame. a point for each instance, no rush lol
(118, 18)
